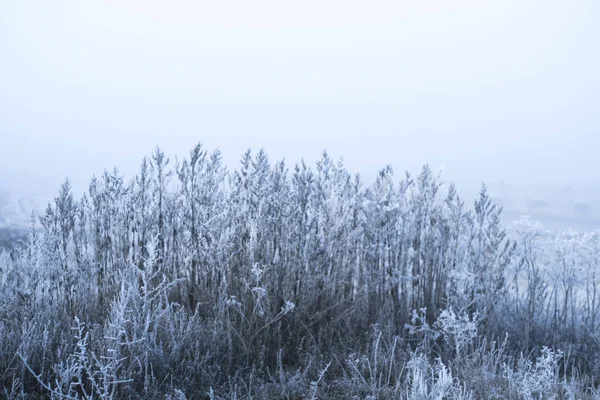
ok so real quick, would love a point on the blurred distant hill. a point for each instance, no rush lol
(16, 208)
(557, 207)
(9, 238)
(15, 215)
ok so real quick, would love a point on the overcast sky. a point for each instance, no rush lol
(491, 90)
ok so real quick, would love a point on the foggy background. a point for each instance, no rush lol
(503, 92)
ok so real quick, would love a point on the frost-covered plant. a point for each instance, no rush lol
(84, 374)
(419, 327)
(379, 373)
(176, 395)
(432, 382)
(16, 391)
(314, 385)
(458, 330)
(536, 379)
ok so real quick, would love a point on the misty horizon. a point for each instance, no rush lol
(491, 92)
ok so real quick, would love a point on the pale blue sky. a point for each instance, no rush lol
(492, 90)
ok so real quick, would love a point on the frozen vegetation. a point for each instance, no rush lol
(189, 281)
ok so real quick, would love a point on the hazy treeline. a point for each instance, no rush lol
(9, 237)
(270, 282)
